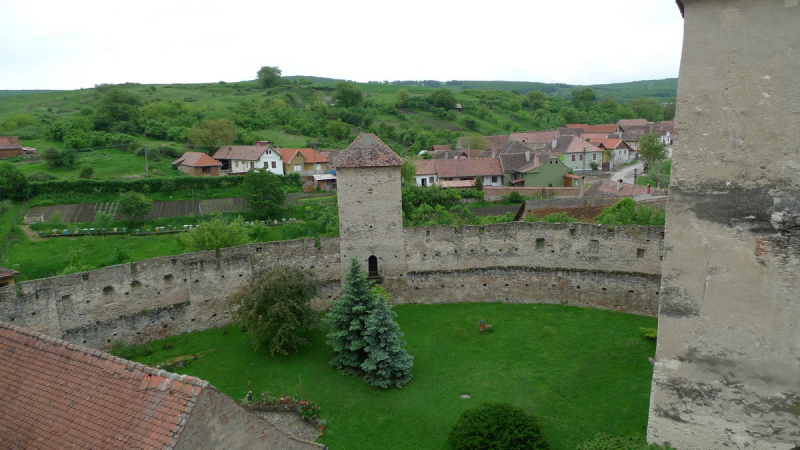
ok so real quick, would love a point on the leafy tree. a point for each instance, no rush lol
(102, 221)
(13, 182)
(583, 98)
(261, 190)
(86, 172)
(387, 362)
(60, 158)
(348, 94)
(276, 308)
(215, 234)
(402, 94)
(269, 76)
(213, 133)
(496, 426)
(651, 148)
(117, 105)
(73, 262)
(348, 321)
(646, 108)
(442, 98)
(134, 206)
(337, 129)
(408, 170)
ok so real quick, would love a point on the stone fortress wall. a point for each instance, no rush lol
(578, 264)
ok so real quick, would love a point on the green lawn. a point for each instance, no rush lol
(580, 371)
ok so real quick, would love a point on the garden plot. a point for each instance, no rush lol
(85, 212)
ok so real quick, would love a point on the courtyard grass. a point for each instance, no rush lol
(580, 371)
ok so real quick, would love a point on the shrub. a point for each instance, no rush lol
(86, 172)
(39, 177)
(514, 197)
(496, 426)
(608, 442)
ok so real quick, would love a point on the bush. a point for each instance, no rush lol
(514, 197)
(498, 426)
(39, 177)
(86, 172)
(608, 442)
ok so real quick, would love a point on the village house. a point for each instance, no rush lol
(57, 394)
(618, 151)
(10, 147)
(239, 159)
(536, 140)
(533, 169)
(304, 161)
(579, 156)
(197, 164)
(459, 172)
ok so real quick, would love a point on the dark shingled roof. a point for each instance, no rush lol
(367, 151)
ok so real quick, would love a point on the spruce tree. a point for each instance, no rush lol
(347, 321)
(387, 362)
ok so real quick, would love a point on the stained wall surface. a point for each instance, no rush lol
(727, 371)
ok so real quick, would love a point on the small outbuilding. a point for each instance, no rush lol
(10, 146)
(197, 164)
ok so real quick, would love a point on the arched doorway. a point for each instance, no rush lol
(372, 266)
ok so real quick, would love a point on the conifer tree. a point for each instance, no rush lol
(387, 362)
(347, 321)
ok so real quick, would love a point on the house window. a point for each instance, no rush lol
(581, 157)
(430, 180)
(298, 167)
(494, 179)
(206, 170)
(252, 165)
(273, 165)
(594, 156)
(573, 157)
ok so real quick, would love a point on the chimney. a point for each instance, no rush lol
(648, 188)
(619, 184)
(536, 159)
(555, 143)
(583, 184)
(528, 156)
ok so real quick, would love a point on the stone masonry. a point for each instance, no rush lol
(727, 371)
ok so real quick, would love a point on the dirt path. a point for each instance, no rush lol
(32, 235)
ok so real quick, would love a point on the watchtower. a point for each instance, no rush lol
(727, 369)
(370, 207)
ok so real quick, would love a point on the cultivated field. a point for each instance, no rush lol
(85, 212)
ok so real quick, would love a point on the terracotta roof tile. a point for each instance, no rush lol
(367, 150)
(196, 159)
(10, 143)
(241, 152)
(311, 155)
(57, 394)
(464, 168)
(535, 137)
(426, 166)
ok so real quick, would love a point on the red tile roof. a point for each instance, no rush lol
(441, 147)
(577, 125)
(594, 136)
(605, 128)
(311, 155)
(609, 143)
(56, 394)
(629, 122)
(535, 137)
(367, 150)
(10, 143)
(578, 145)
(241, 152)
(426, 166)
(472, 167)
(196, 159)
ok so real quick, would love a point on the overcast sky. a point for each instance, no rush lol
(49, 44)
